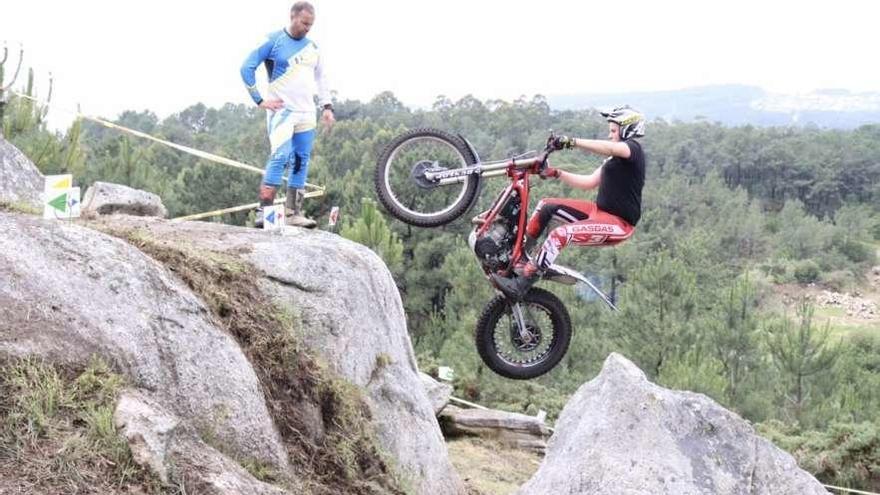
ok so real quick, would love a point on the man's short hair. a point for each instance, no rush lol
(300, 6)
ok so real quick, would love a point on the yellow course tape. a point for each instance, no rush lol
(316, 190)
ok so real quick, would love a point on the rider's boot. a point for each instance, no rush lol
(518, 286)
(267, 198)
(293, 204)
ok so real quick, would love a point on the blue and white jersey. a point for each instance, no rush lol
(295, 71)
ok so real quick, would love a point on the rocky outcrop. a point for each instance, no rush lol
(20, 181)
(621, 434)
(854, 305)
(516, 430)
(159, 440)
(68, 292)
(349, 313)
(438, 393)
(104, 198)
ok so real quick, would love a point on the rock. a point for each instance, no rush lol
(438, 393)
(20, 181)
(516, 430)
(853, 304)
(160, 443)
(148, 429)
(68, 292)
(104, 198)
(350, 314)
(621, 434)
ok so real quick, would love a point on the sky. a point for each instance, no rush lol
(110, 56)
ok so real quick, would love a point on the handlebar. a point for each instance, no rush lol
(548, 149)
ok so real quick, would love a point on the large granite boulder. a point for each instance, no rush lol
(68, 292)
(621, 434)
(104, 198)
(350, 314)
(20, 182)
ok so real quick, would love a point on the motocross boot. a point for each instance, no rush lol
(293, 204)
(267, 198)
(517, 286)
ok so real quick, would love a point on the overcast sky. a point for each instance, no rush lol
(163, 55)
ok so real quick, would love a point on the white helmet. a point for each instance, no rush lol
(631, 122)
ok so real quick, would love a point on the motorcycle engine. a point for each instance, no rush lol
(493, 248)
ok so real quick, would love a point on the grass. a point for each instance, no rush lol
(489, 468)
(846, 331)
(342, 455)
(829, 312)
(57, 433)
(19, 207)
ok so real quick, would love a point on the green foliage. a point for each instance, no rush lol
(800, 352)
(806, 271)
(371, 230)
(657, 321)
(847, 454)
(733, 336)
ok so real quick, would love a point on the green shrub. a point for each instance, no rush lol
(847, 454)
(806, 271)
(839, 280)
(858, 252)
(778, 270)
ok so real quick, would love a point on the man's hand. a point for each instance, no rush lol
(549, 172)
(327, 119)
(563, 143)
(271, 104)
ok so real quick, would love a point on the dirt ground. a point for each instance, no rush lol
(489, 468)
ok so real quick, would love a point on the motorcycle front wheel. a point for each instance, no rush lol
(404, 189)
(529, 352)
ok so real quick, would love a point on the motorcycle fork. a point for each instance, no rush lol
(516, 311)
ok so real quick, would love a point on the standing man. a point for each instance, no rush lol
(296, 74)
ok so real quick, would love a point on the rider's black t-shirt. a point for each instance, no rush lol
(620, 190)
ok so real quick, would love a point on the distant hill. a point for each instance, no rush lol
(739, 105)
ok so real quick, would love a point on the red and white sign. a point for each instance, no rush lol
(334, 215)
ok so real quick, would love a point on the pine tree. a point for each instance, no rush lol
(371, 230)
(800, 352)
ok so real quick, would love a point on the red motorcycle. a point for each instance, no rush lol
(428, 178)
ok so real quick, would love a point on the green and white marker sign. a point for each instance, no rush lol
(60, 199)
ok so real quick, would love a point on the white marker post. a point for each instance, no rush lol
(273, 218)
(445, 373)
(334, 216)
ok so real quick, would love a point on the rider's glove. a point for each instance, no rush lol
(563, 143)
(550, 173)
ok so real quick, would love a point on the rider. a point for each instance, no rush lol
(610, 220)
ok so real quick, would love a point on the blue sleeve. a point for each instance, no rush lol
(249, 69)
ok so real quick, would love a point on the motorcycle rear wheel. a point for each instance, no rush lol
(502, 347)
